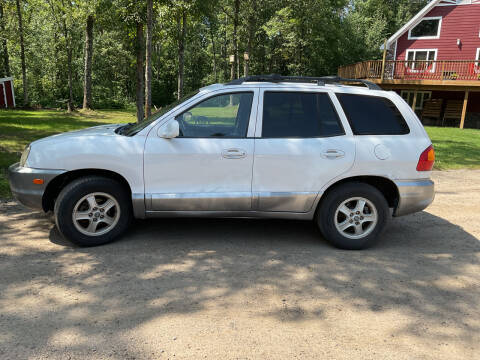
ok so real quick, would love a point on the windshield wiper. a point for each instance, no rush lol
(121, 130)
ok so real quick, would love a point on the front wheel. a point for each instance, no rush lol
(93, 211)
(353, 215)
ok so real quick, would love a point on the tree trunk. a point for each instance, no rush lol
(22, 54)
(225, 50)
(140, 76)
(70, 80)
(214, 54)
(235, 46)
(148, 60)
(181, 25)
(68, 48)
(251, 34)
(87, 80)
(6, 61)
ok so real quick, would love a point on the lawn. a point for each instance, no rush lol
(454, 148)
(20, 127)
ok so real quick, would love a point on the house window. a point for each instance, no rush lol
(422, 96)
(428, 28)
(421, 59)
(477, 63)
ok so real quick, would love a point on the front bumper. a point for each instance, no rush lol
(23, 188)
(415, 195)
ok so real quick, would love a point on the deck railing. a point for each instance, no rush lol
(413, 70)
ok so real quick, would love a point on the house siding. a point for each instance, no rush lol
(458, 22)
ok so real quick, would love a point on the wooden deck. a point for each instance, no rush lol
(448, 75)
(444, 73)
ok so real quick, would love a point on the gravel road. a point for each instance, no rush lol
(246, 289)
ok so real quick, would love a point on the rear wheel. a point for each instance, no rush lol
(93, 211)
(352, 215)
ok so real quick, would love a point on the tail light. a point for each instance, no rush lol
(426, 160)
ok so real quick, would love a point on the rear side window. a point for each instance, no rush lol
(372, 115)
(298, 114)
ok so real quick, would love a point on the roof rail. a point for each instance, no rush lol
(320, 81)
(337, 79)
(275, 78)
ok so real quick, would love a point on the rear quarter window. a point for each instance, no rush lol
(372, 115)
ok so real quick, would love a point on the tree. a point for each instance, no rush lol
(140, 44)
(181, 29)
(148, 60)
(87, 81)
(236, 65)
(6, 60)
(211, 26)
(66, 13)
(133, 15)
(56, 39)
(22, 54)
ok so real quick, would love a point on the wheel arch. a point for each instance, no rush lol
(55, 186)
(386, 186)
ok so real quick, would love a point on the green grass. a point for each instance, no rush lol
(18, 128)
(216, 112)
(454, 148)
(217, 115)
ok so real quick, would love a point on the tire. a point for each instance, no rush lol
(93, 210)
(357, 231)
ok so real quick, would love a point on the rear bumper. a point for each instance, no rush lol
(415, 195)
(23, 188)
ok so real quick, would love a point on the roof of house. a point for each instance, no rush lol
(412, 22)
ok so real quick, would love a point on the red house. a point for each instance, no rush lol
(7, 95)
(433, 61)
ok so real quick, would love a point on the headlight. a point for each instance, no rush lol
(23, 159)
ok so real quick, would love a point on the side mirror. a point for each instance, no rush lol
(170, 130)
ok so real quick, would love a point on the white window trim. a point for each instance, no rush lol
(456, 3)
(420, 107)
(477, 57)
(416, 50)
(410, 37)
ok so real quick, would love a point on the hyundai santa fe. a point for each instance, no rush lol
(347, 157)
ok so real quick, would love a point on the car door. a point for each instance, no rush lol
(208, 167)
(300, 145)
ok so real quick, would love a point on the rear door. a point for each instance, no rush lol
(300, 145)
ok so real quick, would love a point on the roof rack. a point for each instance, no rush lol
(337, 79)
(320, 81)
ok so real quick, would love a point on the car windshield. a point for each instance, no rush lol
(133, 128)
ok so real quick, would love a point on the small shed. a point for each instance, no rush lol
(7, 94)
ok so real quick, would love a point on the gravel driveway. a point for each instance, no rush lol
(246, 289)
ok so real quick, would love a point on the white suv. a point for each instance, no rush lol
(347, 157)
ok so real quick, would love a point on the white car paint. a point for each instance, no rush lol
(274, 175)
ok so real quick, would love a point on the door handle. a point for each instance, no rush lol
(234, 153)
(333, 154)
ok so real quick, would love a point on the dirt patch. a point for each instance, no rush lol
(242, 289)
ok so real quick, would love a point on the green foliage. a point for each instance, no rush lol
(369, 22)
(301, 37)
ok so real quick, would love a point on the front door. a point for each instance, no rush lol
(209, 166)
(300, 146)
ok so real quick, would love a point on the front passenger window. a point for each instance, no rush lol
(225, 115)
